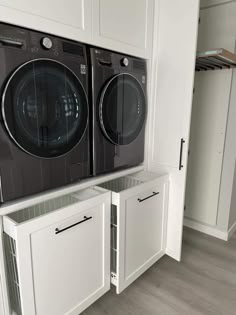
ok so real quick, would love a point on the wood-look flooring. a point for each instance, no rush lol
(203, 283)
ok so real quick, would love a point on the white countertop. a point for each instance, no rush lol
(83, 184)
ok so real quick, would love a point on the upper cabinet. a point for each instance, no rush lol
(72, 20)
(124, 25)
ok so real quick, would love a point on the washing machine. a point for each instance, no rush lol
(44, 133)
(119, 110)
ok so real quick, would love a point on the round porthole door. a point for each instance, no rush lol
(45, 108)
(122, 109)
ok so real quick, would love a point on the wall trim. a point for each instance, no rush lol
(231, 231)
(212, 231)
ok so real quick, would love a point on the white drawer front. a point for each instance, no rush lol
(68, 267)
(143, 229)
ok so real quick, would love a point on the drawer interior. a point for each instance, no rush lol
(51, 205)
(122, 183)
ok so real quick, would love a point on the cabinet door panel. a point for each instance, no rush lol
(172, 89)
(207, 145)
(68, 267)
(143, 230)
(69, 19)
(124, 25)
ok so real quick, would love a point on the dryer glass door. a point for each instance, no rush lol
(122, 109)
(45, 108)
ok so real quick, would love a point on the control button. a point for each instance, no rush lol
(125, 62)
(46, 43)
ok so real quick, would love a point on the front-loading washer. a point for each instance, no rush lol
(119, 110)
(44, 120)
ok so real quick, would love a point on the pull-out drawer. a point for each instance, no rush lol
(138, 221)
(58, 254)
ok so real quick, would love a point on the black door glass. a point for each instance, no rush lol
(45, 108)
(122, 109)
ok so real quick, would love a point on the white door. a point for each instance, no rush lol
(209, 121)
(63, 257)
(70, 19)
(124, 26)
(141, 229)
(173, 66)
(68, 267)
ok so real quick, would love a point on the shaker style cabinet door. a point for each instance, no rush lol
(124, 26)
(70, 19)
(172, 90)
(62, 254)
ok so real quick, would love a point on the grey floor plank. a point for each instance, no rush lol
(204, 283)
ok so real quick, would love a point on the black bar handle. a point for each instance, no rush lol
(105, 63)
(57, 231)
(181, 154)
(153, 195)
(10, 42)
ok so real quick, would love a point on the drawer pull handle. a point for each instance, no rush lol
(57, 231)
(153, 195)
(9, 42)
(182, 142)
(105, 63)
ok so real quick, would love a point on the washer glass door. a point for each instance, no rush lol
(122, 109)
(45, 108)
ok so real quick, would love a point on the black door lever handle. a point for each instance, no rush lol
(181, 154)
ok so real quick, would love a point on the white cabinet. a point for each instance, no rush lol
(139, 209)
(58, 254)
(209, 122)
(67, 19)
(125, 26)
(172, 78)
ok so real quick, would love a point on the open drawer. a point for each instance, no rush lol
(138, 225)
(58, 253)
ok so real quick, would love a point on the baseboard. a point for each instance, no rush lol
(231, 231)
(212, 231)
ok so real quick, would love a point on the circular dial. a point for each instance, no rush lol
(125, 62)
(46, 43)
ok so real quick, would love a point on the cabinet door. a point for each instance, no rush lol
(63, 258)
(68, 268)
(170, 115)
(207, 145)
(68, 19)
(124, 26)
(141, 233)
